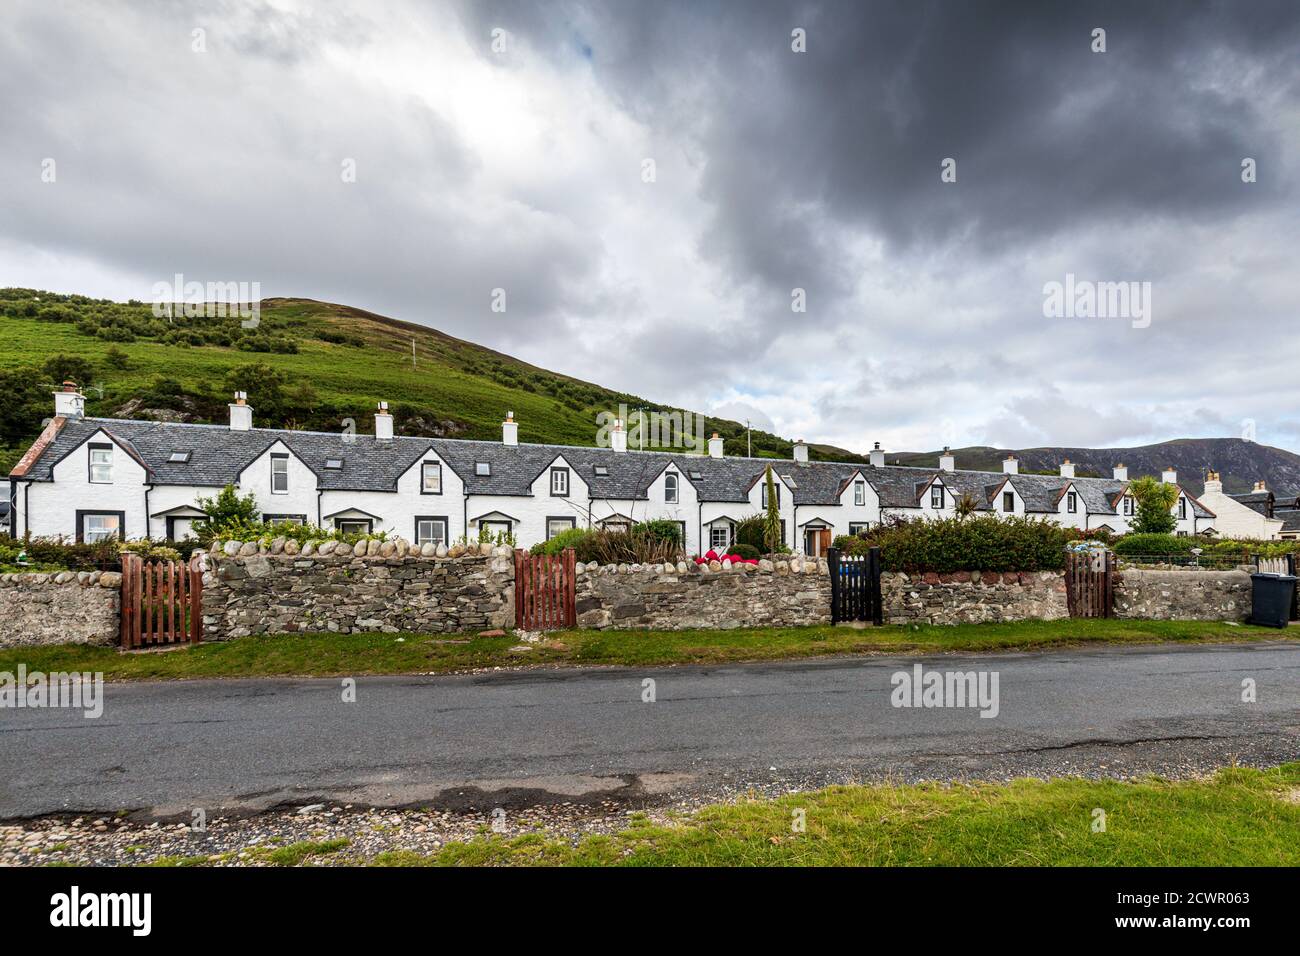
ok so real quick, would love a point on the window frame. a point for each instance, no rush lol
(857, 527)
(859, 493)
(938, 490)
(556, 472)
(570, 521)
(1128, 507)
(424, 480)
(507, 526)
(273, 519)
(83, 514)
(672, 488)
(1182, 508)
(776, 483)
(1072, 502)
(483, 469)
(91, 464)
(434, 519)
(368, 522)
(277, 457)
(1008, 502)
(725, 528)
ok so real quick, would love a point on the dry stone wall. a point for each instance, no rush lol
(972, 597)
(66, 607)
(1183, 595)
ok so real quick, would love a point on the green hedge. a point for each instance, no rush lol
(983, 543)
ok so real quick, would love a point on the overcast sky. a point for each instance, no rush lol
(520, 163)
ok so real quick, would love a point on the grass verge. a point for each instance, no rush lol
(1240, 817)
(328, 655)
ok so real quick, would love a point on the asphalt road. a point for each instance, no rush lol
(522, 737)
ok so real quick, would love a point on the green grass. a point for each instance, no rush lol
(1240, 817)
(326, 655)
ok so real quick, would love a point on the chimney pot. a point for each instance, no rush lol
(877, 456)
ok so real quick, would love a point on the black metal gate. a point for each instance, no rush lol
(855, 586)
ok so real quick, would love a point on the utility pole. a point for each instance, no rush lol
(749, 445)
(412, 352)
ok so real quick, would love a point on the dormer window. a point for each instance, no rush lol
(559, 482)
(431, 478)
(334, 464)
(483, 469)
(1008, 501)
(859, 493)
(178, 458)
(1071, 502)
(936, 497)
(101, 464)
(775, 485)
(1128, 506)
(1182, 508)
(670, 488)
(279, 474)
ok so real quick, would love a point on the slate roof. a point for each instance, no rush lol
(1290, 519)
(218, 454)
(1261, 501)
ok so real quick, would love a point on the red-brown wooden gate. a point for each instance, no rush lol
(544, 591)
(162, 602)
(1090, 583)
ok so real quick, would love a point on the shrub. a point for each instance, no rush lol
(56, 553)
(1156, 544)
(983, 543)
(749, 532)
(226, 511)
(573, 538)
(263, 533)
(745, 551)
(661, 530)
(626, 547)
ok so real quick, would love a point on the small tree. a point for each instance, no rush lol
(226, 509)
(1155, 502)
(965, 506)
(772, 520)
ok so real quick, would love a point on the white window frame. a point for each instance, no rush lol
(1128, 506)
(567, 524)
(859, 493)
(936, 497)
(497, 527)
(435, 522)
(101, 535)
(363, 525)
(725, 531)
(1072, 502)
(857, 527)
(671, 488)
(427, 468)
(775, 484)
(280, 459)
(559, 482)
(1182, 509)
(106, 463)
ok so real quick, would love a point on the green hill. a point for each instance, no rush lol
(307, 365)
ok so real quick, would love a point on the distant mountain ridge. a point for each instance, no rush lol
(1239, 463)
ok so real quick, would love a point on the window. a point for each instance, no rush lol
(101, 464)
(560, 482)
(483, 468)
(334, 464)
(936, 496)
(602, 471)
(431, 478)
(178, 457)
(775, 484)
(430, 530)
(1128, 505)
(616, 524)
(670, 488)
(99, 525)
(858, 527)
(859, 493)
(352, 525)
(279, 474)
(556, 526)
(1008, 501)
(719, 537)
(496, 529)
(1182, 508)
(1071, 502)
(284, 519)
(694, 475)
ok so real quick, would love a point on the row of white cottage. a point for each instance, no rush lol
(88, 478)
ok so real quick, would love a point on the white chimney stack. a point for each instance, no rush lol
(1067, 469)
(510, 430)
(1169, 476)
(68, 402)
(715, 446)
(618, 437)
(1011, 465)
(1261, 485)
(800, 451)
(1212, 483)
(383, 423)
(241, 413)
(877, 456)
(946, 461)
(1121, 472)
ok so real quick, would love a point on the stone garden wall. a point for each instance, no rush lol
(686, 595)
(1183, 595)
(67, 607)
(974, 597)
(388, 587)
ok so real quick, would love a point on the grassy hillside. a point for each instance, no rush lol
(308, 365)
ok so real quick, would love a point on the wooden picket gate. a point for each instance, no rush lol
(1090, 583)
(544, 591)
(855, 586)
(162, 602)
